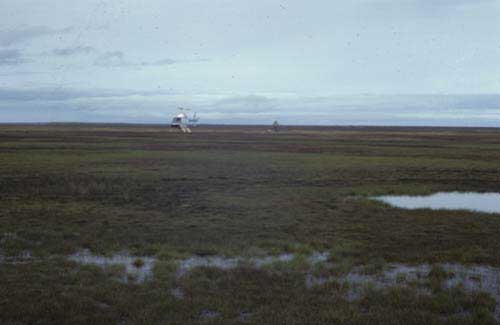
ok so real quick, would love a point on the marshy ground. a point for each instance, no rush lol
(158, 201)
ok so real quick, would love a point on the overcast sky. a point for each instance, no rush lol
(421, 62)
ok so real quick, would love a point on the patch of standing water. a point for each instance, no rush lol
(23, 257)
(188, 264)
(222, 263)
(206, 313)
(144, 270)
(141, 271)
(177, 293)
(478, 202)
(471, 278)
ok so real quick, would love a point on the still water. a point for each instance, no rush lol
(478, 202)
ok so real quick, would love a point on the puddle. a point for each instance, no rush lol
(177, 293)
(145, 271)
(476, 278)
(477, 202)
(223, 263)
(23, 257)
(318, 257)
(209, 314)
(245, 316)
(186, 265)
(139, 272)
(471, 278)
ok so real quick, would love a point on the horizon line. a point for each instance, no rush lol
(254, 125)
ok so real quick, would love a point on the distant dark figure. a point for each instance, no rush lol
(276, 126)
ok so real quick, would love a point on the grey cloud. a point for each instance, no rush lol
(11, 57)
(170, 61)
(434, 3)
(390, 108)
(58, 94)
(117, 59)
(245, 104)
(431, 8)
(24, 33)
(77, 50)
(111, 59)
(122, 105)
(249, 99)
(461, 2)
(159, 62)
(23, 73)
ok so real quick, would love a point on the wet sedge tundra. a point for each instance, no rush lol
(233, 224)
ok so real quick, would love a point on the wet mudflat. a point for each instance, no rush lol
(134, 224)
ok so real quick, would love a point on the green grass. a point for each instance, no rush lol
(228, 191)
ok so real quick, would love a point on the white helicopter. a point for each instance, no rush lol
(183, 121)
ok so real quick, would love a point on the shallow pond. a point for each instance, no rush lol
(478, 202)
